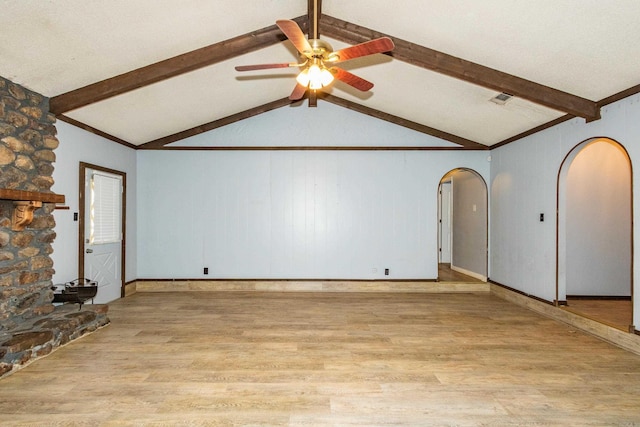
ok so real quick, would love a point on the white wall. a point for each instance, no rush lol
(332, 214)
(327, 124)
(292, 214)
(77, 145)
(523, 184)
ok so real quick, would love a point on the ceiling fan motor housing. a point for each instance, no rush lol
(321, 49)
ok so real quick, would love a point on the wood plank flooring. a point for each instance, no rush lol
(314, 359)
(615, 313)
(446, 274)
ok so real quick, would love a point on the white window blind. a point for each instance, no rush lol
(106, 191)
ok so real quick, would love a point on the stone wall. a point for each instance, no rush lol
(27, 144)
(27, 136)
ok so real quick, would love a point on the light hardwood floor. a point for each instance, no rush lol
(252, 358)
(446, 274)
(615, 313)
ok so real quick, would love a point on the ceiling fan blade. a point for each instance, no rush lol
(265, 66)
(298, 92)
(295, 34)
(351, 79)
(383, 44)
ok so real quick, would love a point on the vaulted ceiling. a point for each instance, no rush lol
(150, 73)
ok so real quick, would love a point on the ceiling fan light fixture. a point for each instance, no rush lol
(318, 59)
(315, 77)
(303, 78)
(326, 77)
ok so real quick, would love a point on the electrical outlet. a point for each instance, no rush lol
(75, 216)
(206, 270)
(386, 271)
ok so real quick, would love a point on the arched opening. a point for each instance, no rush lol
(462, 227)
(595, 233)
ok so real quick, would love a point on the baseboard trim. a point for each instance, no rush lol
(510, 289)
(623, 339)
(600, 297)
(469, 273)
(130, 288)
(220, 285)
(173, 279)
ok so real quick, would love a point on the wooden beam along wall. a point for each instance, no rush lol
(465, 70)
(161, 142)
(168, 68)
(344, 31)
(466, 143)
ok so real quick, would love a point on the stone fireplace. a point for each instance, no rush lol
(31, 326)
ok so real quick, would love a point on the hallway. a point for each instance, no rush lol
(446, 274)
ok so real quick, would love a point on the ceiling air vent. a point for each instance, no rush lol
(501, 99)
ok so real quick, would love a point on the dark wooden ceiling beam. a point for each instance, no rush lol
(466, 143)
(95, 131)
(606, 101)
(534, 130)
(172, 67)
(312, 148)
(161, 142)
(465, 70)
(620, 95)
(344, 31)
(312, 96)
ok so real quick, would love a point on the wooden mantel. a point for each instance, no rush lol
(25, 203)
(36, 196)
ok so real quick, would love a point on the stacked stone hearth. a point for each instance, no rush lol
(31, 326)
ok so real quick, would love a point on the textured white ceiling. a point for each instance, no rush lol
(57, 46)
(587, 48)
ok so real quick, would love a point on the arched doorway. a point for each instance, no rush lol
(595, 242)
(462, 226)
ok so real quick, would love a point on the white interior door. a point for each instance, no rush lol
(103, 233)
(445, 222)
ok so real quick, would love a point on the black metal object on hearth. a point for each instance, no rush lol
(77, 291)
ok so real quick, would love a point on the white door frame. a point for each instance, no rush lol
(561, 220)
(81, 226)
(444, 221)
(449, 178)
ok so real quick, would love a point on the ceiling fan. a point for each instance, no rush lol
(318, 60)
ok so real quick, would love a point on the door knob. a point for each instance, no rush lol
(89, 251)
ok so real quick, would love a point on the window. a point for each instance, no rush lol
(105, 209)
